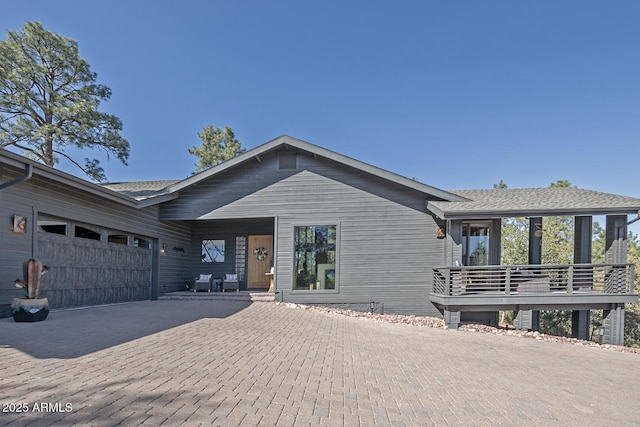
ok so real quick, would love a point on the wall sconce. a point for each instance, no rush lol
(164, 248)
(440, 233)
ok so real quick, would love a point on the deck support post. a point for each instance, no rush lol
(580, 320)
(615, 252)
(524, 320)
(530, 320)
(580, 324)
(613, 323)
(452, 317)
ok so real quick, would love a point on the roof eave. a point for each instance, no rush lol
(490, 214)
(154, 200)
(48, 172)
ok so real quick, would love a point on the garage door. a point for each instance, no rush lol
(89, 267)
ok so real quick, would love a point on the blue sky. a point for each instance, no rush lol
(459, 94)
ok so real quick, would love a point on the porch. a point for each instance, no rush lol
(528, 288)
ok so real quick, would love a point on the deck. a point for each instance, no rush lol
(534, 287)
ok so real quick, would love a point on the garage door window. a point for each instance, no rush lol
(85, 233)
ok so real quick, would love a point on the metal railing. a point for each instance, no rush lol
(523, 279)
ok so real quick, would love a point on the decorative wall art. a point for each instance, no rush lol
(19, 224)
(213, 251)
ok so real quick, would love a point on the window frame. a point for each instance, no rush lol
(336, 289)
(466, 241)
(52, 222)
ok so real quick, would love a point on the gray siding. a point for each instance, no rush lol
(387, 241)
(227, 231)
(198, 201)
(38, 195)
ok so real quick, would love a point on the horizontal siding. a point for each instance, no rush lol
(387, 240)
(386, 250)
(218, 191)
(38, 195)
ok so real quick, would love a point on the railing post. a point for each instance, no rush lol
(570, 280)
(447, 283)
(507, 285)
(632, 277)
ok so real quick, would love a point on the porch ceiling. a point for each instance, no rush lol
(528, 202)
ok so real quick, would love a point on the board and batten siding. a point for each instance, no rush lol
(386, 249)
(54, 199)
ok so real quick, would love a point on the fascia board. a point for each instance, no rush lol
(55, 175)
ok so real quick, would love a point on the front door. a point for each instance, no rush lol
(260, 254)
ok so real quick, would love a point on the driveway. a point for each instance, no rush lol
(230, 363)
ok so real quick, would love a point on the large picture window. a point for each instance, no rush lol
(315, 257)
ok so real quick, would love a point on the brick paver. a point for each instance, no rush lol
(237, 364)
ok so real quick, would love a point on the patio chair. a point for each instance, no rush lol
(203, 282)
(230, 282)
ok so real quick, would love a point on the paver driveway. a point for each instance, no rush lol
(229, 363)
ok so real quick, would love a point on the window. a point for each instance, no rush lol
(52, 226)
(120, 239)
(85, 233)
(140, 242)
(475, 243)
(315, 257)
(241, 257)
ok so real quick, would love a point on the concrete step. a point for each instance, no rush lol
(221, 296)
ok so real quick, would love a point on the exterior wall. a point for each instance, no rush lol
(227, 231)
(199, 201)
(387, 240)
(453, 251)
(78, 266)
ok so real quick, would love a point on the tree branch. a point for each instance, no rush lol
(70, 159)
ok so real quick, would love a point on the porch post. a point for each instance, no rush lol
(580, 319)
(155, 269)
(616, 239)
(613, 323)
(530, 319)
(615, 252)
(452, 317)
(524, 319)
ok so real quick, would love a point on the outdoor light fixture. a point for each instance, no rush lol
(164, 248)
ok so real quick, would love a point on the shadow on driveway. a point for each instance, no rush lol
(73, 333)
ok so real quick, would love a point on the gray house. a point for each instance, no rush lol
(319, 227)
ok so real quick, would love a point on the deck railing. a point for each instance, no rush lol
(524, 279)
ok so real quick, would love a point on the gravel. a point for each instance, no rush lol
(435, 322)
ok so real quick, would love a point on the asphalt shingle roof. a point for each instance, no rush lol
(496, 203)
(140, 189)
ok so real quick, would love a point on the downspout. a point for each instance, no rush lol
(28, 172)
(637, 218)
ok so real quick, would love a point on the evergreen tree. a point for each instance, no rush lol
(218, 146)
(49, 101)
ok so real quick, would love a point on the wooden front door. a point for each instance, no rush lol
(256, 267)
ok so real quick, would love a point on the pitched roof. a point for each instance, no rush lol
(289, 142)
(47, 172)
(500, 203)
(140, 190)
